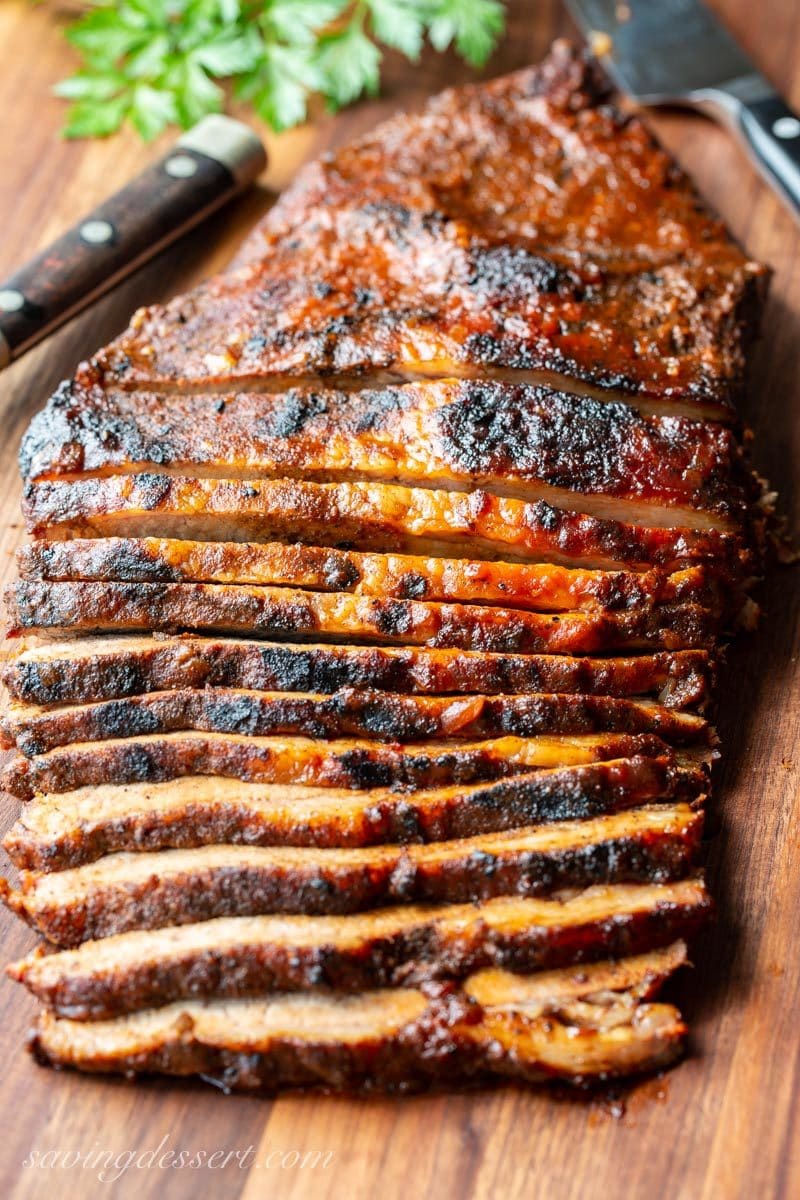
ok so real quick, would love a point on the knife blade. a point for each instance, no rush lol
(678, 52)
(205, 167)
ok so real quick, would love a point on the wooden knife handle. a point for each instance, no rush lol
(205, 168)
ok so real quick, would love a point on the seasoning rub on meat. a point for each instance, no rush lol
(360, 664)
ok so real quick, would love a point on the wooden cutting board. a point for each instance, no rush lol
(726, 1123)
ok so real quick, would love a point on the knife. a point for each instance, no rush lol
(205, 167)
(677, 52)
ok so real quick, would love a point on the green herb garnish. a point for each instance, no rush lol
(159, 62)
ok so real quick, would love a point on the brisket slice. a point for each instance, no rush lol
(291, 613)
(533, 443)
(349, 712)
(178, 887)
(349, 763)
(580, 1026)
(252, 956)
(72, 828)
(375, 516)
(436, 245)
(541, 587)
(101, 668)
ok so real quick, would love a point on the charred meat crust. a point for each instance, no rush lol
(180, 887)
(349, 763)
(404, 947)
(372, 516)
(411, 250)
(505, 437)
(347, 713)
(292, 613)
(541, 587)
(197, 812)
(99, 669)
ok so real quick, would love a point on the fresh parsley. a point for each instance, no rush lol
(161, 62)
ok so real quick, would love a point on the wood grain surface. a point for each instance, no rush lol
(726, 1123)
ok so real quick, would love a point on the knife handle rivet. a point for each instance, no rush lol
(181, 166)
(786, 127)
(11, 300)
(96, 233)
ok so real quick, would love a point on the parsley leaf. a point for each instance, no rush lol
(230, 54)
(151, 111)
(105, 36)
(399, 24)
(87, 118)
(474, 26)
(90, 85)
(280, 85)
(196, 95)
(350, 66)
(298, 22)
